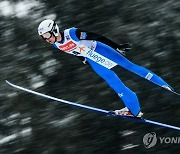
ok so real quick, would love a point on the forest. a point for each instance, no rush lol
(31, 124)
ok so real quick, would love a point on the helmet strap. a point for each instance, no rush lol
(54, 37)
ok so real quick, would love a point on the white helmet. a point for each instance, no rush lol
(48, 26)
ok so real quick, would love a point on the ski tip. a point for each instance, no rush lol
(7, 82)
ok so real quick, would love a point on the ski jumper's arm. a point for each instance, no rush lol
(85, 35)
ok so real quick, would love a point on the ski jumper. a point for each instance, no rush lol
(102, 58)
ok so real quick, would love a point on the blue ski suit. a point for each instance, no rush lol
(102, 56)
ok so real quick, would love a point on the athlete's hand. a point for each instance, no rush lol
(123, 48)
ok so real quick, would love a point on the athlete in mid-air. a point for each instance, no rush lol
(102, 55)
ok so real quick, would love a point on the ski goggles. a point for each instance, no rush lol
(47, 35)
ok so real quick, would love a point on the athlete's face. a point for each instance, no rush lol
(49, 37)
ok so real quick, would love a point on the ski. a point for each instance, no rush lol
(178, 94)
(105, 112)
(172, 91)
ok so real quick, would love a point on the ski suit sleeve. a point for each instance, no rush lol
(85, 35)
(121, 48)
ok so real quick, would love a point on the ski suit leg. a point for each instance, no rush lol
(129, 97)
(110, 53)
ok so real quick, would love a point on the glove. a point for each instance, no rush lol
(123, 48)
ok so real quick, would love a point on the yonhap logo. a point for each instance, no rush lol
(150, 140)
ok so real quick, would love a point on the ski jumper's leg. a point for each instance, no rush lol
(110, 53)
(129, 97)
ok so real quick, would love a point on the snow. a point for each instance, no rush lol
(36, 81)
(49, 67)
(37, 84)
(6, 8)
(25, 132)
(13, 116)
(25, 120)
(129, 146)
(19, 9)
(8, 138)
(127, 132)
(65, 121)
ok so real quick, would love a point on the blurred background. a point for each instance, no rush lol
(30, 124)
